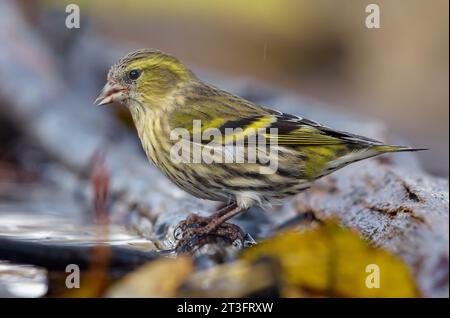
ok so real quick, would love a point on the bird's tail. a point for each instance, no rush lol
(388, 148)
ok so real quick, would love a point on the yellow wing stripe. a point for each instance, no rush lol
(250, 129)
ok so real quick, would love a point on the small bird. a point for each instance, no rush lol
(163, 95)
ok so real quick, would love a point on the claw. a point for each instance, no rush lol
(195, 231)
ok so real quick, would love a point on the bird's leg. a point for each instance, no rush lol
(195, 221)
(214, 224)
(221, 217)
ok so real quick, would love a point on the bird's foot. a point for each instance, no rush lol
(193, 221)
(197, 229)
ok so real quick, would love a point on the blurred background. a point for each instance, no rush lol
(68, 168)
(319, 49)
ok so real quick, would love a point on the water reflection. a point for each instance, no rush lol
(22, 280)
(19, 280)
(62, 230)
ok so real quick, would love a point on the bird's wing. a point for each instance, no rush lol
(236, 118)
(297, 131)
(206, 107)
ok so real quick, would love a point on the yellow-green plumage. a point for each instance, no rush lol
(167, 95)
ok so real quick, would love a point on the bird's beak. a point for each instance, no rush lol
(111, 93)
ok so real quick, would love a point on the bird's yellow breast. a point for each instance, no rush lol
(152, 130)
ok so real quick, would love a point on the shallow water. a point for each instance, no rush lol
(64, 230)
(24, 280)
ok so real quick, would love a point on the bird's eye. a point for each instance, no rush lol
(134, 74)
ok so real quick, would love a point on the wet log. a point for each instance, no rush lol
(400, 209)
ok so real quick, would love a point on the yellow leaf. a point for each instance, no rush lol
(332, 261)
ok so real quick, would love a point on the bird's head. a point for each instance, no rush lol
(145, 77)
